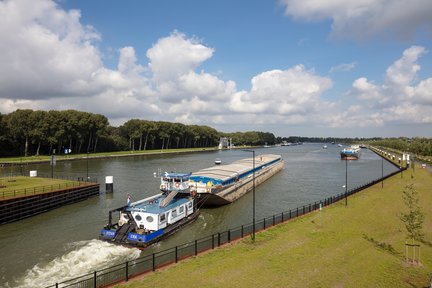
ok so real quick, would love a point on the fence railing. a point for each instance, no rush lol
(148, 263)
(12, 193)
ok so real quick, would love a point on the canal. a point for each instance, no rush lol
(61, 244)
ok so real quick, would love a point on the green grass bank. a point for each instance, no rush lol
(359, 245)
(46, 159)
(19, 186)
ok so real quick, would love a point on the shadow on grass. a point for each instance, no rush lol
(383, 246)
(427, 243)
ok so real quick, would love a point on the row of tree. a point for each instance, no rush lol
(420, 146)
(27, 132)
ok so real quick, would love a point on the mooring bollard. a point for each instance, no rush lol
(109, 185)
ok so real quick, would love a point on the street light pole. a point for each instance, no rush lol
(346, 182)
(87, 167)
(253, 194)
(382, 172)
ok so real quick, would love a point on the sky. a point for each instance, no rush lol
(331, 68)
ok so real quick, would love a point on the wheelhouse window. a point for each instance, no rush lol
(181, 209)
(162, 217)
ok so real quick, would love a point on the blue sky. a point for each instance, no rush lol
(292, 67)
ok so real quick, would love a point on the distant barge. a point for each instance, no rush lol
(351, 153)
(223, 184)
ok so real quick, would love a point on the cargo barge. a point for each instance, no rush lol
(351, 153)
(224, 184)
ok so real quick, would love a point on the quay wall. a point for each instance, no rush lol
(22, 207)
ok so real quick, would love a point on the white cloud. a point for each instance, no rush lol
(365, 18)
(343, 67)
(49, 60)
(402, 72)
(44, 50)
(399, 98)
(288, 92)
(176, 55)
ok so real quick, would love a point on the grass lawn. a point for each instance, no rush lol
(18, 186)
(359, 245)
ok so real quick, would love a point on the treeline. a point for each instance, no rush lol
(27, 132)
(296, 139)
(420, 146)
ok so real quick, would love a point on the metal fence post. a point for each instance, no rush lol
(218, 239)
(196, 247)
(176, 254)
(213, 241)
(153, 262)
(274, 220)
(127, 271)
(229, 236)
(264, 224)
(242, 231)
(290, 214)
(283, 217)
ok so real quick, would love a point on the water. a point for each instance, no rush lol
(60, 244)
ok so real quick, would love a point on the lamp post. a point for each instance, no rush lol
(382, 172)
(87, 167)
(346, 182)
(253, 206)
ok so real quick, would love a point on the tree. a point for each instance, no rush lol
(414, 218)
(40, 128)
(20, 126)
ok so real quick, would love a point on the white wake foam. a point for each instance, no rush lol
(86, 256)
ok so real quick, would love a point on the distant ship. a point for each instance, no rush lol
(351, 153)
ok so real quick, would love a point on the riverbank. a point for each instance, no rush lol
(359, 245)
(15, 161)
